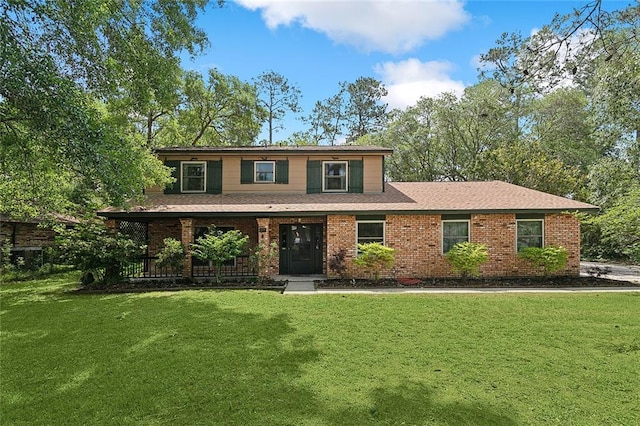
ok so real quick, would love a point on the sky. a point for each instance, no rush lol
(414, 47)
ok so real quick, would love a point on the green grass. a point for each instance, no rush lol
(262, 358)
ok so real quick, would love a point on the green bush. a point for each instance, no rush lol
(171, 255)
(375, 257)
(467, 257)
(98, 252)
(216, 247)
(550, 259)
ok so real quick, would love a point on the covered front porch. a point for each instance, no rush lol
(277, 245)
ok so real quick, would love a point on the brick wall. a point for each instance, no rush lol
(417, 240)
(26, 235)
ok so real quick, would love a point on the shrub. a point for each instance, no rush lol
(337, 263)
(467, 257)
(172, 256)
(550, 259)
(99, 253)
(375, 257)
(217, 247)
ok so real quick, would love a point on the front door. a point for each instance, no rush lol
(301, 249)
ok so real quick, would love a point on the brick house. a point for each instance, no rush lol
(28, 238)
(315, 200)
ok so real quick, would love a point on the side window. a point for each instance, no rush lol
(193, 175)
(264, 171)
(454, 232)
(530, 233)
(334, 176)
(369, 231)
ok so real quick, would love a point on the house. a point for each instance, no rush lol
(27, 238)
(313, 201)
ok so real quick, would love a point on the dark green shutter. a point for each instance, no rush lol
(214, 177)
(282, 171)
(173, 188)
(356, 176)
(314, 176)
(246, 171)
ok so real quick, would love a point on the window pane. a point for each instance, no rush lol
(264, 172)
(335, 176)
(370, 232)
(529, 234)
(455, 229)
(454, 233)
(193, 177)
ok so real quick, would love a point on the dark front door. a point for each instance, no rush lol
(301, 249)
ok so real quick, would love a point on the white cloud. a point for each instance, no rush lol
(390, 26)
(411, 79)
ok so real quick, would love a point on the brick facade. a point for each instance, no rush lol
(24, 234)
(417, 240)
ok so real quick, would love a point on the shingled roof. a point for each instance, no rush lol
(398, 198)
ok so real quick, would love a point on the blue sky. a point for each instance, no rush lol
(416, 47)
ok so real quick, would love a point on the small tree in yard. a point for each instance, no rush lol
(172, 256)
(216, 247)
(375, 257)
(550, 259)
(98, 252)
(467, 257)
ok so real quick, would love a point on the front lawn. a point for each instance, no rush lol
(262, 358)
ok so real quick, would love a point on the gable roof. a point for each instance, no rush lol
(398, 198)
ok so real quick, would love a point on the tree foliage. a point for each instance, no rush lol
(60, 62)
(277, 97)
(94, 249)
(217, 247)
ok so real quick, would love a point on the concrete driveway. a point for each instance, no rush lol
(618, 271)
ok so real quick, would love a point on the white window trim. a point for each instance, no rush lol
(384, 230)
(346, 176)
(204, 177)
(528, 220)
(255, 171)
(454, 220)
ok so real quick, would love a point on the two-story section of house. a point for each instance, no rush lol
(312, 202)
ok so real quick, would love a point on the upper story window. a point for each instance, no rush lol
(193, 176)
(335, 176)
(264, 171)
(530, 233)
(454, 232)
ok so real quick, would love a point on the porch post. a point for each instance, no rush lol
(112, 225)
(187, 239)
(264, 242)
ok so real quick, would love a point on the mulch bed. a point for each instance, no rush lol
(510, 282)
(139, 286)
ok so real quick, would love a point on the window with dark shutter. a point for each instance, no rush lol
(173, 188)
(214, 177)
(314, 176)
(356, 176)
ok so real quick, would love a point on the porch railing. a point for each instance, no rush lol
(241, 267)
(146, 267)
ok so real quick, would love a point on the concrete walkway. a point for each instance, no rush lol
(617, 271)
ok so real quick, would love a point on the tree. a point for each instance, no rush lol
(364, 113)
(277, 96)
(221, 111)
(59, 62)
(172, 255)
(98, 252)
(217, 247)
